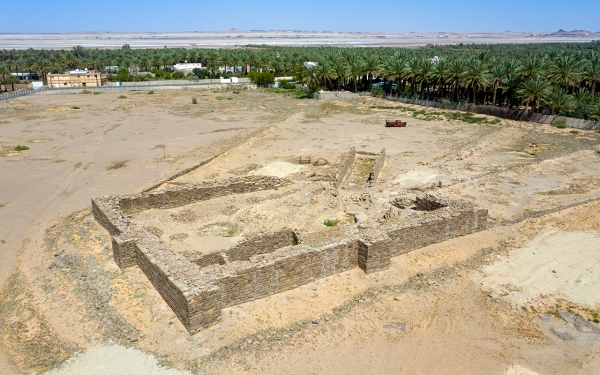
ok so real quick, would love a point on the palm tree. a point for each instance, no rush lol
(412, 72)
(497, 72)
(355, 68)
(371, 67)
(477, 77)
(531, 67)
(456, 74)
(564, 71)
(441, 73)
(533, 90)
(559, 100)
(339, 70)
(591, 71)
(424, 76)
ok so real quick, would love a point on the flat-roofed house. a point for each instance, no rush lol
(77, 78)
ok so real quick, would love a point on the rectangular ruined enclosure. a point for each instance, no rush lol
(198, 289)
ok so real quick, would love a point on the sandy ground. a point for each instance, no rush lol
(477, 304)
(233, 38)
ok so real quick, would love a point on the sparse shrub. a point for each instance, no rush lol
(377, 90)
(331, 222)
(560, 122)
(285, 84)
(122, 97)
(97, 92)
(574, 132)
(219, 97)
(151, 92)
(194, 101)
(21, 148)
(86, 91)
(75, 107)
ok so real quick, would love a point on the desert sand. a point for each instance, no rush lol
(483, 303)
(237, 38)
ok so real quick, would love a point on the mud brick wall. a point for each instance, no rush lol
(374, 251)
(285, 269)
(346, 167)
(379, 161)
(181, 195)
(444, 224)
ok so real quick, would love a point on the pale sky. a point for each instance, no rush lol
(57, 16)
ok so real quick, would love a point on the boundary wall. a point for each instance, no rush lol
(334, 95)
(502, 112)
(197, 290)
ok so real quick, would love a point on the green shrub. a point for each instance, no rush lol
(75, 107)
(560, 122)
(151, 92)
(331, 222)
(98, 92)
(86, 91)
(261, 79)
(377, 90)
(285, 84)
(219, 97)
(122, 97)
(574, 132)
(21, 148)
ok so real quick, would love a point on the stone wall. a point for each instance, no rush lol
(197, 290)
(178, 196)
(379, 161)
(345, 168)
(436, 226)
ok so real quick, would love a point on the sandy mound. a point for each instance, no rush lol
(563, 264)
(113, 360)
(420, 176)
(277, 169)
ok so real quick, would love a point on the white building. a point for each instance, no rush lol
(186, 66)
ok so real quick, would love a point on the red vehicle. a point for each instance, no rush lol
(395, 124)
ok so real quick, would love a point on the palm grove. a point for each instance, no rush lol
(557, 78)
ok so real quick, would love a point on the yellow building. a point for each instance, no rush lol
(77, 78)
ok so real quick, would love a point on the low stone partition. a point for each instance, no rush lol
(178, 196)
(451, 219)
(197, 290)
(379, 161)
(345, 168)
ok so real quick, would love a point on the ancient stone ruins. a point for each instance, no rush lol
(199, 288)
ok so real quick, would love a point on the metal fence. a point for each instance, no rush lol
(19, 93)
(144, 87)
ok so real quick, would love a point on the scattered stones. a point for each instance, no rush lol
(316, 321)
(320, 162)
(395, 326)
(396, 298)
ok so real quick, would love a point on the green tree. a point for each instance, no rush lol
(533, 90)
(559, 100)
